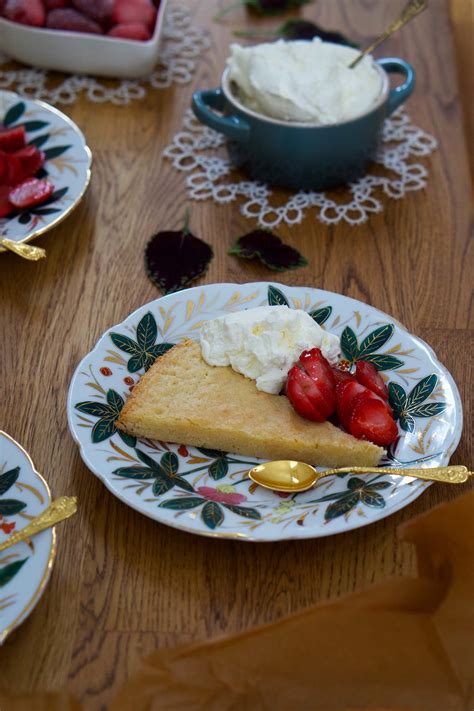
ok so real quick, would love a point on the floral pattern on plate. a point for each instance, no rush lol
(67, 165)
(26, 567)
(207, 491)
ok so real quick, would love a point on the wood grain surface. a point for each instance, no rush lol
(124, 585)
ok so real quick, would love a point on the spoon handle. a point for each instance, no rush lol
(27, 251)
(57, 511)
(456, 474)
(411, 10)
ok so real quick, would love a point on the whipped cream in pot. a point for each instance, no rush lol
(264, 343)
(303, 81)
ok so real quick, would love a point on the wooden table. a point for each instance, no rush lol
(123, 585)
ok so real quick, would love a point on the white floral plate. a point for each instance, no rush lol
(67, 165)
(26, 567)
(206, 492)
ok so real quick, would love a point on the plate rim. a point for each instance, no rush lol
(48, 107)
(304, 535)
(38, 593)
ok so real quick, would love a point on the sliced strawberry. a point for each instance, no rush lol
(30, 192)
(31, 159)
(12, 139)
(346, 393)
(130, 11)
(5, 204)
(370, 420)
(368, 375)
(14, 170)
(27, 12)
(132, 31)
(3, 167)
(72, 21)
(99, 10)
(304, 395)
(341, 377)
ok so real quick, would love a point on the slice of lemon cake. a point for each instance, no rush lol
(182, 399)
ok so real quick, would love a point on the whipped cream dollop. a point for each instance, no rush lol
(264, 343)
(304, 81)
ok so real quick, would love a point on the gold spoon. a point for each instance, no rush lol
(411, 10)
(288, 475)
(57, 511)
(27, 251)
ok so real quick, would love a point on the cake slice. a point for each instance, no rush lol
(183, 399)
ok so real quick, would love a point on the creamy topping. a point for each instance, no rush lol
(304, 81)
(264, 343)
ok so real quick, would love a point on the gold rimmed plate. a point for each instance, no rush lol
(67, 165)
(26, 567)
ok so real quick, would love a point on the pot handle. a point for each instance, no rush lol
(233, 127)
(398, 95)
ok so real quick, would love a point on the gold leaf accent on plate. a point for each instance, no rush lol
(21, 486)
(189, 309)
(121, 452)
(296, 302)
(358, 318)
(115, 357)
(167, 324)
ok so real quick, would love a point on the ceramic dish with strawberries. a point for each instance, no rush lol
(44, 167)
(389, 387)
(115, 38)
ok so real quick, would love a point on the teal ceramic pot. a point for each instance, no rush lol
(302, 155)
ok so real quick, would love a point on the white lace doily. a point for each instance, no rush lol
(198, 151)
(182, 44)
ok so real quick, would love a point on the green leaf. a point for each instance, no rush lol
(34, 125)
(146, 459)
(136, 363)
(407, 422)
(219, 468)
(45, 211)
(341, 507)
(380, 485)
(354, 482)
(276, 297)
(39, 140)
(24, 218)
(10, 507)
(383, 361)
(96, 409)
(369, 497)
(128, 439)
(244, 511)
(397, 398)
(57, 195)
(211, 453)
(10, 570)
(103, 429)
(421, 391)
(329, 497)
(162, 484)
(169, 463)
(212, 514)
(428, 410)
(183, 484)
(115, 401)
(321, 315)
(14, 113)
(160, 349)
(375, 340)
(55, 151)
(7, 479)
(349, 344)
(146, 332)
(182, 504)
(135, 472)
(126, 344)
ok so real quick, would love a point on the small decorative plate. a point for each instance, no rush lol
(68, 162)
(26, 567)
(207, 492)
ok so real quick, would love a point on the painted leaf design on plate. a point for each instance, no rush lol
(430, 409)
(321, 315)
(144, 351)
(108, 413)
(375, 340)
(219, 468)
(10, 507)
(55, 152)
(407, 422)
(182, 504)
(245, 511)
(358, 490)
(407, 407)
(421, 391)
(276, 297)
(383, 361)
(164, 473)
(14, 113)
(397, 398)
(7, 479)
(349, 345)
(212, 514)
(9, 571)
(162, 483)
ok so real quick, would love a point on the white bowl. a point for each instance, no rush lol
(81, 53)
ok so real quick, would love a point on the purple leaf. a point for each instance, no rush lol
(270, 249)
